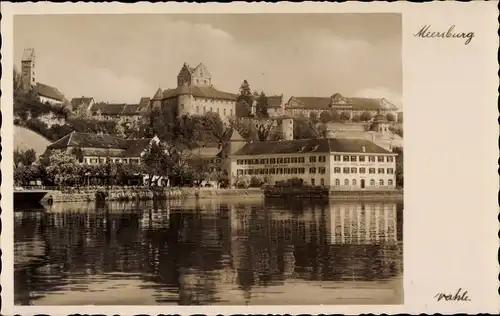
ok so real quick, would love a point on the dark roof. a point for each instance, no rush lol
(158, 94)
(130, 147)
(131, 109)
(199, 91)
(309, 103)
(338, 100)
(136, 146)
(274, 101)
(116, 109)
(48, 92)
(79, 101)
(318, 145)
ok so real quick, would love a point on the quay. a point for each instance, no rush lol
(332, 194)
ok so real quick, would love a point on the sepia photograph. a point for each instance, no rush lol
(208, 159)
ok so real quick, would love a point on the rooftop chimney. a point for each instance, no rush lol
(363, 149)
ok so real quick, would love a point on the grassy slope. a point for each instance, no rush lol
(26, 139)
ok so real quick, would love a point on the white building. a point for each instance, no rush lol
(343, 164)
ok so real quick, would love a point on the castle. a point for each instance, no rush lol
(195, 95)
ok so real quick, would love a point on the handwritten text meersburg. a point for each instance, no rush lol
(425, 32)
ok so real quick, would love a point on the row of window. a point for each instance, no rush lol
(363, 170)
(272, 161)
(321, 170)
(354, 182)
(313, 159)
(94, 161)
(362, 158)
(224, 112)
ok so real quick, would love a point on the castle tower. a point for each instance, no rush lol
(28, 69)
(287, 128)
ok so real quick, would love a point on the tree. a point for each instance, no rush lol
(303, 129)
(390, 117)
(24, 157)
(325, 117)
(245, 94)
(157, 161)
(313, 117)
(262, 106)
(366, 116)
(63, 167)
(345, 116)
(356, 118)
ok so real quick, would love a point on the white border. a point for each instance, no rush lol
(450, 97)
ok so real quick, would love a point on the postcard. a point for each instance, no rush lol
(249, 158)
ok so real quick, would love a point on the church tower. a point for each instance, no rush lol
(28, 69)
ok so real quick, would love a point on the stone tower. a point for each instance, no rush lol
(287, 128)
(28, 69)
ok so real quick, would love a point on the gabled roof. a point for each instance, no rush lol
(318, 145)
(308, 103)
(116, 109)
(199, 91)
(274, 101)
(158, 94)
(144, 102)
(130, 147)
(81, 101)
(48, 92)
(130, 109)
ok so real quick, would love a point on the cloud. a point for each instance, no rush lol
(381, 92)
(117, 59)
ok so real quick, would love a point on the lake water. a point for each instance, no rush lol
(208, 252)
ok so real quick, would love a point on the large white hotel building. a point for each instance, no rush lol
(342, 164)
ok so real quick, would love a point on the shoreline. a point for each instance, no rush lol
(145, 194)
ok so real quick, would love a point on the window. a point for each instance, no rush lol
(336, 158)
(354, 170)
(390, 171)
(322, 181)
(301, 159)
(294, 159)
(294, 170)
(371, 170)
(273, 171)
(380, 159)
(336, 170)
(390, 159)
(204, 110)
(312, 159)
(353, 181)
(346, 182)
(337, 182)
(372, 182)
(224, 111)
(346, 170)
(231, 112)
(280, 171)
(362, 158)
(322, 170)
(256, 161)
(217, 110)
(322, 158)
(239, 172)
(262, 161)
(280, 160)
(313, 182)
(93, 160)
(238, 162)
(389, 182)
(381, 182)
(312, 170)
(182, 107)
(371, 158)
(287, 160)
(362, 170)
(354, 158)
(346, 158)
(273, 161)
(381, 170)
(266, 161)
(302, 170)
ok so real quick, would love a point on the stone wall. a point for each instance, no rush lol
(144, 193)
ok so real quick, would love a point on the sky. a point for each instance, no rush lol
(121, 58)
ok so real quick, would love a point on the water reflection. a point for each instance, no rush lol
(193, 252)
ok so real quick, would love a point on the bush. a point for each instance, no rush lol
(255, 182)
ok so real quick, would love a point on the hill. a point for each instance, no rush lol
(26, 139)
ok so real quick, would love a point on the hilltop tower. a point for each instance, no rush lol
(28, 69)
(198, 76)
